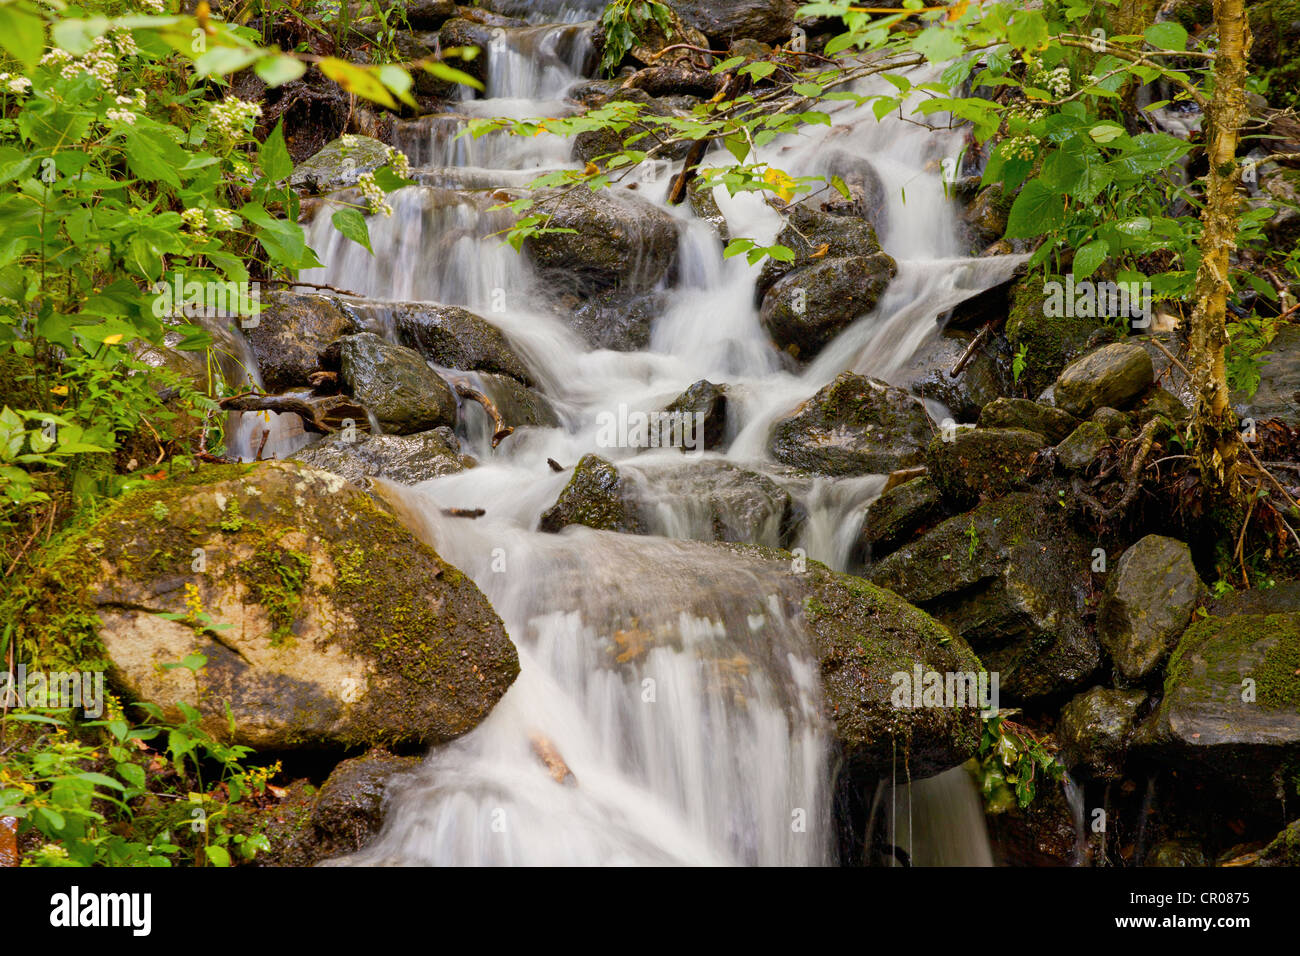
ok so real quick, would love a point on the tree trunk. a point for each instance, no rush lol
(1214, 427)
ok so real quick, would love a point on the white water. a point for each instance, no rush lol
(731, 751)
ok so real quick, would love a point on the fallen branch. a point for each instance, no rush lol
(971, 350)
(503, 431)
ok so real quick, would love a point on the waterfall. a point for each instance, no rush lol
(667, 709)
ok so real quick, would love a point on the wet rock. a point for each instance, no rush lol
(339, 164)
(447, 335)
(1159, 402)
(853, 426)
(979, 384)
(863, 636)
(417, 14)
(1278, 394)
(1050, 342)
(396, 384)
(1039, 835)
(1284, 850)
(349, 809)
(520, 407)
(982, 462)
(710, 500)
(768, 21)
(596, 496)
(1094, 730)
(463, 32)
(1208, 719)
(986, 217)
(407, 459)
(896, 515)
(706, 207)
(806, 231)
(1012, 577)
(1185, 851)
(1021, 413)
(806, 309)
(642, 134)
(1112, 421)
(291, 332)
(618, 240)
(705, 398)
(331, 625)
(867, 199)
(614, 319)
(1153, 590)
(1083, 446)
(1113, 376)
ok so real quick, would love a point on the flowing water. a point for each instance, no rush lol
(667, 709)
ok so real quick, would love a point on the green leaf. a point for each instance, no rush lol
(22, 33)
(217, 855)
(76, 35)
(352, 224)
(362, 81)
(222, 60)
(938, 44)
(1168, 35)
(1028, 31)
(132, 773)
(1088, 259)
(1106, 133)
(278, 70)
(1038, 209)
(274, 155)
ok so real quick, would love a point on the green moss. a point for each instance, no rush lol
(1228, 645)
(275, 577)
(1053, 342)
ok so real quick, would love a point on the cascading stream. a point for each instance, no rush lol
(667, 677)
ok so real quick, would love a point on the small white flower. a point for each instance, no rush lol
(19, 85)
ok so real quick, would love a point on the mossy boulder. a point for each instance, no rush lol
(406, 459)
(863, 636)
(705, 398)
(1114, 376)
(324, 622)
(339, 164)
(1152, 592)
(974, 463)
(291, 332)
(1050, 342)
(1011, 577)
(1052, 423)
(896, 515)
(617, 241)
(1094, 730)
(854, 426)
(813, 235)
(1231, 701)
(596, 496)
(396, 384)
(805, 310)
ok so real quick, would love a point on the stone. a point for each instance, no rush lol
(1152, 592)
(1052, 423)
(898, 513)
(1094, 730)
(1083, 447)
(396, 384)
(406, 459)
(291, 332)
(982, 462)
(596, 496)
(1114, 376)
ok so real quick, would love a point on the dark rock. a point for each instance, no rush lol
(1020, 413)
(853, 426)
(614, 319)
(1050, 342)
(519, 406)
(705, 398)
(895, 516)
(1278, 394)
(805, 232)
(1012, 577)
(709, 500)
(1152, 592)
(1113, 377)
(982, 462)
(806, 309)
(1184, 851)
(596, 496)
(976, 386)
(396, 385)
(768, 21)
(291, 332)
(349, 809)
(1094, 730)
(1112, 421)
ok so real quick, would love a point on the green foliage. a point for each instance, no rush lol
(623, 21)
(1012, 762)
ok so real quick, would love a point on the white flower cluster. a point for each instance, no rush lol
(223, 219)
(232, 118)
(197, 222)
(1057, 81)
(154, 6)
(1024, 146)
(374, 195)
(100, 62)
(401, 165)
(125, 43)
(17, 85)
(136, 102)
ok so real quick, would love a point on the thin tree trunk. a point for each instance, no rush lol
(1213, 423)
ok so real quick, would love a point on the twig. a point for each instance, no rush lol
(971, 350)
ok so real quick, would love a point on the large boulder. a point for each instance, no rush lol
(617, 240)
(810, 306)
(1082, 447)
(768, 21)
(1231, 705)
(1011, 577)
(1153, 590)
(446, 335)
(323, 621)
(812, 235)
(519, 406)
(1114, 376)
(710, 500)
(709, 400)
(974, 463)
(396, 384)
(291, 332)
(853, 426)
(1049, 342)
(979, 384)
(406, 459)
(1278, 392)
